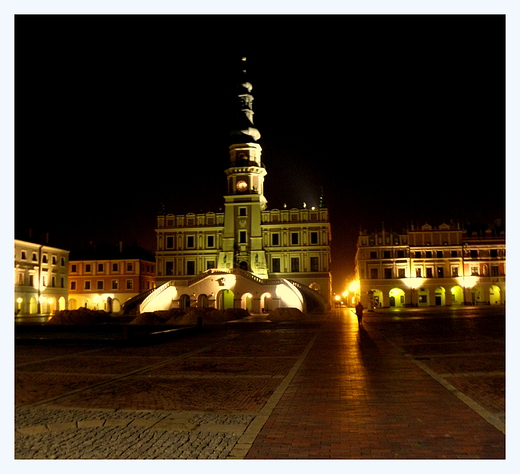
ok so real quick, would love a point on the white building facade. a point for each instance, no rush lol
(442, 266)
(40, 278)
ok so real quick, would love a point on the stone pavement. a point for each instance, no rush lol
(406, 385)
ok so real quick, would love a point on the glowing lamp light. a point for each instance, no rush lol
(19, 300)
(354, 286)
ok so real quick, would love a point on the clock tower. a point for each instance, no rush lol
(244, 199)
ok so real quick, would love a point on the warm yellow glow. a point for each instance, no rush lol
(413, 282)
(354, 286)
(337, 297)
(344, 294)
(468, 281)
(19, 300)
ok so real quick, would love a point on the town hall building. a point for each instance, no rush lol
(246, 256)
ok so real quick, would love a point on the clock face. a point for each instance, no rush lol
(242, 186)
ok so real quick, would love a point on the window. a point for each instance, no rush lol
(454, 253)
(474, 253)
(115, 267)
(129, 284)
(401, 272)
(101, 267)
(494, 271)
(400, 254)
(440, 272)
(210, 264)
(374, 274)
(440, 254)
(20, 279)
(386, 254)
(242, 236)
(315, 264)
(44, 258)
(418, 272)
(100, 285)
(429, 273)
(454, 271)
(493, 253)
(275, 239)
(87, 268)
(276, 265)
(294, 238)
(314, 238)
(242, 211)
(190, 241)
(34, 257)
(373, 254)
(73, 268)
(295, 264)
(54, 260)
(210, 241)
(190, 267)
(53, 281)
(62, 282)
(87, 285)
(31, 280)
(388, 273)
(428, 254)
(474, 271)
(73, 285)
(115, 284)
(169, 268)
(129, 267)
(169, 242)
(24, 255)
(418, 254)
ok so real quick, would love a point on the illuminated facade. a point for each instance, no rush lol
(105, 278)
(441, 266)
(262, 249)
(40, 278)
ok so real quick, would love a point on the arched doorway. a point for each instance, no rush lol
(244, 266)
(396, 296)
(61, 303)
(184, 302)
(495, 295)
(266, 302)
(73, 304)
(226, 299)
(440, 296)
(33, 306)
(457, 295)
(375, 299)
(247, 301)
(202, 301)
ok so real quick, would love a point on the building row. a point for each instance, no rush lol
(49, 279)
(446, 265)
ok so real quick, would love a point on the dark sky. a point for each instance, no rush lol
(399, 118)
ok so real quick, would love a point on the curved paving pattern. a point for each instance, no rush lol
(404, 386)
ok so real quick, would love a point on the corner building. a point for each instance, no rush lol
(264, 258)
(431, 266)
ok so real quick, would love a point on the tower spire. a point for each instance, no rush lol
(243, 130)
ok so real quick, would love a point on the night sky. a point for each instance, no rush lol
(399, 119)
